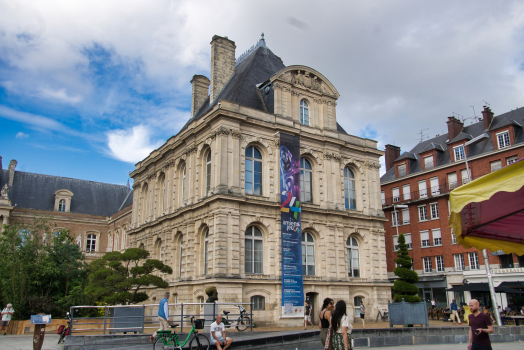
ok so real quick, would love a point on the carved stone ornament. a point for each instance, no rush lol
(371, 165)
(332, 155)
(236, 134)
(5, 192)
(275, 143)
(190, 149)
(306, 80)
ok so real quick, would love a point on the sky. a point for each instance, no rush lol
(89, 88)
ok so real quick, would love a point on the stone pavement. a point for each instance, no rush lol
(496, 346)
(25, 342)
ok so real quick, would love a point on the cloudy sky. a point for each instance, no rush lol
(88, 88)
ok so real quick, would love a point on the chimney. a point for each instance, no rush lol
(454, 127)
(222, 64)
(199, 92)
(12, 166)
(487, 116)
(392, 153)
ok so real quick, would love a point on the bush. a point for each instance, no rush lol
(403, 288)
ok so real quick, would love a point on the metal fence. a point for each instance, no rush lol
(405, 314)
(133, 318)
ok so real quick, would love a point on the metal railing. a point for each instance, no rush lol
(136, 322)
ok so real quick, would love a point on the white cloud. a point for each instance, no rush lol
(131, 145)
(60, 95)
(33, 120)
(21, 135)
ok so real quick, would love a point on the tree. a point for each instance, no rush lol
(404, 287)
(116, 278)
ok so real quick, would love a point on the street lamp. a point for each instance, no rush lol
(395, 206)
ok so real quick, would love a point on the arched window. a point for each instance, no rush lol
(62, 205)
(124, 239)
(184, 185)
(117, 240)
(306, 183)
(163, 179)
(308, 254)
(206, 249)
(304, 113)
(349, 189)
(353, 259)
(145, 198)
(259, 302)
(91, 243)
(254, 250)
(253, 171)
(208, 172)
(180, 258)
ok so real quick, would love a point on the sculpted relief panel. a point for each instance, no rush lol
(308, 79)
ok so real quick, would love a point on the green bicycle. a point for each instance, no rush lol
(169, 341)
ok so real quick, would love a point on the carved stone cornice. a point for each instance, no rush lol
(332, 155)
(372, 165)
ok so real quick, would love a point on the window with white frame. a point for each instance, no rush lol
(434, 210)
(306, 180)
(405, 216)
(308, 254)
(184, 185)
(459, 152)
(395, 218)
(511, 160)
(91, 243)
(259, 302)
(422, 213)
(406, 192)
(440, 263)
(350, 198)
(437, 236)
(422, 190)
(424, 239)
(427, 265)
(496, 165)
(453, 239)
(464, 175)
(459, 262)
(208, 172)
(254, 250)
(452, 180)
(383, 196)
(253, 174)
(401, 170)
(503, 139)
(62, 205)
(304, 113)
(474, 261)
(407, 237)
(435, 188)
(395, 243)
(412, 265)
(428, 162)
(396, 195)
(353, 257)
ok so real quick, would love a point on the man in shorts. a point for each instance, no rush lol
(218, 334)
(6, 317)
(307, 315)
(480, 327)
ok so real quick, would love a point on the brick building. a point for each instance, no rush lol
(422, 178)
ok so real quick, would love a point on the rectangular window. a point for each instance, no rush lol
(459, 153)
(396, 195)
(452, 180)
(459, 262)
(435, 189)
(428, 162)
(406, 192)
(395, 243)
(383, 196)
(424, 239)
(394, 218)
(511, 160)
(496, 165)
(402, 170)
(427, 265)
(503, 139)
(437, 236)
(434, 210)
(521, 261)
(422, 189)
(407, 236)
(422, 213)
(474, 261)
(91, 243)
(440, 263)
(464, 176)
(453, 239)
(405, 216)
(506, 261)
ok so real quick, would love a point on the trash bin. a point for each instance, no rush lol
(39, 321)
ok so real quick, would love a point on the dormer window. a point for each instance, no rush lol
(459, 153)
(304, 113)
(63, 200)
(402, 170)
(428, 162)
(503, 139)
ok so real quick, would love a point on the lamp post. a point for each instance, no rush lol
(395, 206)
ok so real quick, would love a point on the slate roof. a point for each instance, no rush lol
(515, 117)
(36, 191)
(255, 68)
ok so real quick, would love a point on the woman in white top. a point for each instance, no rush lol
(342, 327)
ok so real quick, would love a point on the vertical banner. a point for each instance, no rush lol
(291, 228)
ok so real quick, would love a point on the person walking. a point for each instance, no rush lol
(342, 327)
(307, 315)
(7, 312)
(362, 313)
(454, 311)
(433, 304)
(325, 319)
(163, 316)
(480, 327)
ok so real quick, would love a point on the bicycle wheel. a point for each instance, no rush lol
(199, 342)
(159, 345)
(385, 318)
(244, 323)
(62, 336)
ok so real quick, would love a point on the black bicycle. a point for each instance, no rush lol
(64, 330)
(384, 316)
(241, 323)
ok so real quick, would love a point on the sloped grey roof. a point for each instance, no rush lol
(432, 146)
(36, 191)
(461, 136)
(406, 155)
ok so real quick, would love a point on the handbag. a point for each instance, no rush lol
(328, 339)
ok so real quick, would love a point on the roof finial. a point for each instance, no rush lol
(262, 36)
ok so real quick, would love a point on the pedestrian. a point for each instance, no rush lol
(218, 334)
(454, 311)
(480, 327)
(163, 315)
(307, 315)
(433, 304)
(7, 312)
(362, 313)
(342, 327)
(325, 319)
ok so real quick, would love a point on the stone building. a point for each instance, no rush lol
(207, 201)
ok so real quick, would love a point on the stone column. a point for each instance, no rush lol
(221, 178)
(220, 247)
(234, 159)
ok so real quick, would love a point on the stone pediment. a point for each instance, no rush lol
(308, 78)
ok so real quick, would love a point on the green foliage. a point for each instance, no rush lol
(404, 287)
(116, 278)
(38, 276)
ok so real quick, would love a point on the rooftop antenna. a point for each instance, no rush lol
(475, 114)
(423, 136)
(487, 104)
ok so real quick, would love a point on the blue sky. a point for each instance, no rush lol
(87, 89)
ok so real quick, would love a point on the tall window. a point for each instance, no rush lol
(184, 185)
(402, 170)
(308, 254)
(452, 180)
(434, 210)
(422, 213)
(91, 243)
(180, 258)
(405, 216)
(437, 236)
(145, 199)
(306, 176)
(422, 189)
(459, 262)
(254, 250)
(474, 261)
(459, 153)
(259, 302)
(428, 162)
(349, 189)
(304, 113)
(396, 194)
(353, 257)
(253, 171)
(506, 261)
(163, 192)
(383, 196)
(424, 239)
(435, 188)
(427, 265)
(208, 172)
(206, 250)
(395, 218)
(62, 205)
(453, 239)
(503, 139)
(406, 192)
(440, 263)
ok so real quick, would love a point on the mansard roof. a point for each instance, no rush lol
(37, 191)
